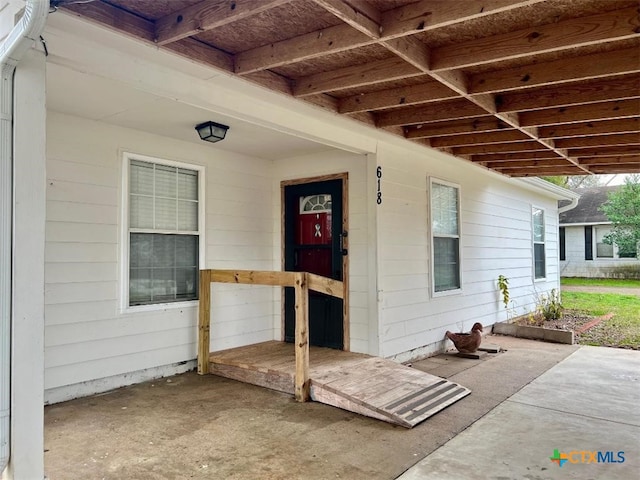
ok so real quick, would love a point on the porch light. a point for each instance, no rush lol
(211, 131)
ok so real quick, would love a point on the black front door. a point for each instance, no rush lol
(313, 238)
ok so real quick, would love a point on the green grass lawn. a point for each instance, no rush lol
(623, 330)
(600, 282)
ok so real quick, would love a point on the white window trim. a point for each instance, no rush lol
(544, 242)
(456, 291)
(124, 231)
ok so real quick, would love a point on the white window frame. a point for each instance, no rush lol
(127, 157)
(534, 242)
(616, 256)
(455, 291)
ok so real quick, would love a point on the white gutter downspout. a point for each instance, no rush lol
(24, 34)
(570, 206)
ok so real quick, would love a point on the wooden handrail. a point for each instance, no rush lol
(301, 281)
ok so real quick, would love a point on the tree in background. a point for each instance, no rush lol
(623, 209)
(575, 181)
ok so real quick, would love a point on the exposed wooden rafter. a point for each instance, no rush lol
(523, 87)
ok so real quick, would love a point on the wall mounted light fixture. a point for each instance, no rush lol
(212, 131)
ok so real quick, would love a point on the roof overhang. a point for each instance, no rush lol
(500, 84)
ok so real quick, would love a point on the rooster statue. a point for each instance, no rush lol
(467, 342)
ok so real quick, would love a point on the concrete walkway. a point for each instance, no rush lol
(601, 289)
(589, 402)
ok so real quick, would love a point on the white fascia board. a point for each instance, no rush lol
(549, 189)
(87, 48)
(584, 224)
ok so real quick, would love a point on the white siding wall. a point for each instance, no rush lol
(575, 264)
(88, 336)
(360, 267)
(495, 237)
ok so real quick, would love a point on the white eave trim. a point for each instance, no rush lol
(552, 190)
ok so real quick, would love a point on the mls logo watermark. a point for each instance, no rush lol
(586, 456)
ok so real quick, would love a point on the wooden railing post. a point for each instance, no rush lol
(302, 387)
(204, 320)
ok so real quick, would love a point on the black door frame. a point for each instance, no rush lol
(344, 177)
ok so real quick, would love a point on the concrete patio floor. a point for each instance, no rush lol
(190, 426)
(590, 402)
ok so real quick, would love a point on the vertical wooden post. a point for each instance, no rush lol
(302, 338)
(204, 320)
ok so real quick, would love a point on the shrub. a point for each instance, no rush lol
(550, 305)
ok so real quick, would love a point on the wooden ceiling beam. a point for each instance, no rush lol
(134, 26)
(509, 157)
(518, 164)
(355, 76)
(415, 54)
(613, 169)
(487, 138)
(622, 151)
(543, 171)
(571, 94)
(613, 160)
(352, 16)
(472, 125)
(400, 22)
(526, 146)
(582, 113)
(600, 141)
(430, 91)
(584, 67)
(114, 18)
(304, 47)
(604, 27)
(431, 14)
(585, 129)
(207, 15)
(454, 109)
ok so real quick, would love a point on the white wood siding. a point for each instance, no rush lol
(333, 162)
(87, 335)
(575, 264)
(495, 236)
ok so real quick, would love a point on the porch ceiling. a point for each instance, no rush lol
(523, 87)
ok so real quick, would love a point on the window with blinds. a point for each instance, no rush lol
(539, 259)
(445, 233)
(163, 233)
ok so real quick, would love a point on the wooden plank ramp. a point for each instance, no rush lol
(371, 386)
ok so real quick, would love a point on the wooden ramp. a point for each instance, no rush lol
(359, 383)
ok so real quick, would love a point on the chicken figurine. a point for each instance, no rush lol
(467, 342)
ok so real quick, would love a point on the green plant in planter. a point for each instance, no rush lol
(550, 306)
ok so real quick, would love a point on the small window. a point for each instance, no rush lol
(539, 259)
(603, 250)
(163, 233)
(445, 232)
(613, 251)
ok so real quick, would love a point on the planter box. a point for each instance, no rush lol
(535, 333)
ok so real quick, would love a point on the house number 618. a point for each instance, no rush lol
(379, 194)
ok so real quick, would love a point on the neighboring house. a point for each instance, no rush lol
(583, 251)
(105, 278)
